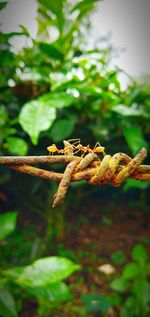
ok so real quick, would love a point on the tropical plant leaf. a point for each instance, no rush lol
(131, 270)
(36, 116)
(43, 272)
(56, 292)
(139, 254)
(134, 138)
(17, 145)
(62, 129)
(120, 285)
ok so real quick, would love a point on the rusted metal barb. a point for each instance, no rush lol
(110, 169)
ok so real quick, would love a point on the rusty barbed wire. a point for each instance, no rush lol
(96, 171)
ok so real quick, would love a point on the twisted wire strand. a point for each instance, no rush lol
(110, 169)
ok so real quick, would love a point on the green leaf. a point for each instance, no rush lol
(61, 129)
(139, 254)
(57, 292)
(36, 116)
(95, 303)
(118, 257)
(51, 51)
(131, 270)
(133, 95)
(7, 304)
(83, 4)
(141, 288)
(50, 296)
(57, 100)
(7, 224)
(44, 271)
(54, 6)
(17, 146)
(120, 285)
(133, 183)
(134, 138)
(130, 307)
(126, 111)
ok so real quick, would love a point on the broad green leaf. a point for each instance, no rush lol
(51, 296)
(36, 116)
(7, 224)
(134, 138)
(17, 146)
(51, 51)
(120, 285)
(7, 304)
(57, 292)
(57, 100)
(139, 254)
(44, 271)
(61, 129)
(131, 270)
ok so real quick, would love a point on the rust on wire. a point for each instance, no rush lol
(96, 171)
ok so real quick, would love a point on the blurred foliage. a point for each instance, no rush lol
(55, 87)
(42, 279)
(133, 285)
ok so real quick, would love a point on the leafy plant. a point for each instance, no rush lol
(43, 279)
(133, 285)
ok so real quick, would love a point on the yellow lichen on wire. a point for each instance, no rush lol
(110, 169)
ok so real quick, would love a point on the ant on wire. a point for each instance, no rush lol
(68, 147)
(86, 149)
(72, 148)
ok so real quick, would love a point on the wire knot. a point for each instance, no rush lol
(107, 170)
